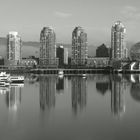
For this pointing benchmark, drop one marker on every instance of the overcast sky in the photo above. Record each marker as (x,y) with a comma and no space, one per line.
(96,16)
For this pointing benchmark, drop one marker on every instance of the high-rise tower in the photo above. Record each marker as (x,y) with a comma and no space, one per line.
(13,48)
(118,44)
(79,47)
(48,48)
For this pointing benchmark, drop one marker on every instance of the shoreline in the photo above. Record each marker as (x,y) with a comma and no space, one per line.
(70,71)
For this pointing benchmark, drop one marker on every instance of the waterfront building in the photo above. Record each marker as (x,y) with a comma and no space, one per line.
(97,62)
(79,47)
(28,62)
(35,58)
(13,49)
(48,48)
(62,55)
(118,44)
(102,51)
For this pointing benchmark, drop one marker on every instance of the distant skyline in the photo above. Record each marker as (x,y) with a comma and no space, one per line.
(28,17)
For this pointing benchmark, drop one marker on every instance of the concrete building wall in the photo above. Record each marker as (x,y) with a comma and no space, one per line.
(13,49)
(118,45)
(79,47)
(48,48)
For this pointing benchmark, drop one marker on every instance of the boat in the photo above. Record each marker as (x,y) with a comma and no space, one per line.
(119,70)
(4,84)
(84,75)
(61,73)
(4,77)
(16,79)
(17,85)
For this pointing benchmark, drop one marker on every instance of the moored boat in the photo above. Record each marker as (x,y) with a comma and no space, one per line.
(16,79)
(4,77)
(60,73)
(17,84)
(4,84)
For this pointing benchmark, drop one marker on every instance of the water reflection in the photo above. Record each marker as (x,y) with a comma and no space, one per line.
(32,78)
(13,98)
(80,108)
(47,85)
(135,78)
(135,91)
(60,85)
(79,93)
(12,95)
(117,96)
(102,87)
(4,90)
(114,84)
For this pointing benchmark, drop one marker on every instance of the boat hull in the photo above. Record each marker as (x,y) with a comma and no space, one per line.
(17,81)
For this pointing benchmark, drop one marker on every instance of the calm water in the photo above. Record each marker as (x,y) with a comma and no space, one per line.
(98,107)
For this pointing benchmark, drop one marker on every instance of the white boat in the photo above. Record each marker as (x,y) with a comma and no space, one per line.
(16,79)
(17,84)
(4,77)
(84,75)
(60,72)
(4,84)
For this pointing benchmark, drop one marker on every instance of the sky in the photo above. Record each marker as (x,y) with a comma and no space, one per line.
(28,17)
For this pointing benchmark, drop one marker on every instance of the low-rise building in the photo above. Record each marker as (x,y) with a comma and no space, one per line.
(102,51)
(28,62)
(97,62)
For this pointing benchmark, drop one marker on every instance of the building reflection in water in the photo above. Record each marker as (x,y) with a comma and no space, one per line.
(60,85)
(135,78)
(78,93)
(102,87)
(117,96)
(135,87)
(47,91)
(13,97)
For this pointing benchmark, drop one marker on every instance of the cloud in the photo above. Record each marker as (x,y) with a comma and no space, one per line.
(62,14)
(131,13)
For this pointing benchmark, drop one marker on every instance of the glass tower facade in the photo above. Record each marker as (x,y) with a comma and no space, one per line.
(48,48)
(118,44)
(79,47)
(13,48)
